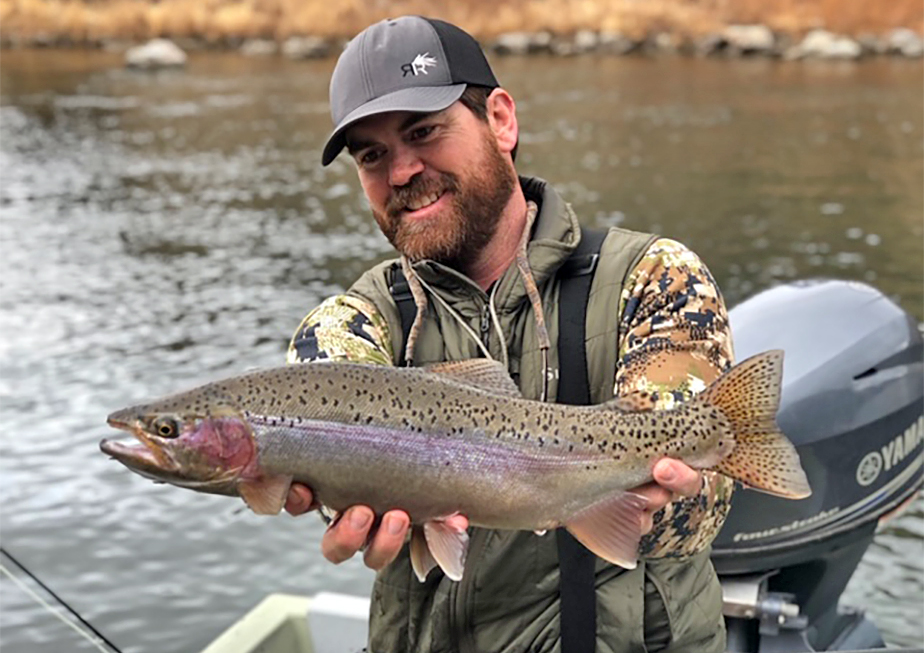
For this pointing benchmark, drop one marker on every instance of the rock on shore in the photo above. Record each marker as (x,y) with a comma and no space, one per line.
(823,44)
(157,53)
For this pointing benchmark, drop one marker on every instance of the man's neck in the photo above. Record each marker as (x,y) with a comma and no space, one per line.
(491,262)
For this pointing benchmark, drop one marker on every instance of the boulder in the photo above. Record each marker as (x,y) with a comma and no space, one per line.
(616,43)
(905,41)
(825,45)
(580,43)
(259,48)
(709,44)
(663,42)
(522,43)
(157,53)
(749,39)
(305,47)
(586,41)
(872,44)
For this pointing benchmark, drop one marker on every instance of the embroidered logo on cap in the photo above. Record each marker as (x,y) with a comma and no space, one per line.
(419,65)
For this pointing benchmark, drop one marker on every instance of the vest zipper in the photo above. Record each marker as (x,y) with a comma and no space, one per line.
(485,326)
(461,599)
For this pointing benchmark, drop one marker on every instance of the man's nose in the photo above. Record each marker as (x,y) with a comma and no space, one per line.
(404,165)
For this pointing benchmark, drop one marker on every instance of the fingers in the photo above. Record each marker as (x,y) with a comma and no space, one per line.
(388,539)
(347,535)
(677,477)
(657,497)
(671,478)
(299,500)
(457,521)
(351,532)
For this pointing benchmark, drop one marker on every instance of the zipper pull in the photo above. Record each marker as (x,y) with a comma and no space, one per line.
(485,324)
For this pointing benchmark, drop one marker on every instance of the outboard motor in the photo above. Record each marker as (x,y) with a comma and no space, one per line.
(852,403)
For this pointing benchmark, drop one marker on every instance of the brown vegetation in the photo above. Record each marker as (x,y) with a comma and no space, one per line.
(221,21)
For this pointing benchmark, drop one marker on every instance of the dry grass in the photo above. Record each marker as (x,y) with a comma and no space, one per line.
(87,21)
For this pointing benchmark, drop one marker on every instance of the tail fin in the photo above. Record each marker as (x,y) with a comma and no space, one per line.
(748,395)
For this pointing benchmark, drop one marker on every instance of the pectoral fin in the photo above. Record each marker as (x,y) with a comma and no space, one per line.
(448,544)
(265,496)
(421,559)
(611,528)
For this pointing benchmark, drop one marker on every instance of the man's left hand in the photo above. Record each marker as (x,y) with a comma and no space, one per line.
(672,479)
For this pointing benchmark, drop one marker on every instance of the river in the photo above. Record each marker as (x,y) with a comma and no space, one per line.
(164,229)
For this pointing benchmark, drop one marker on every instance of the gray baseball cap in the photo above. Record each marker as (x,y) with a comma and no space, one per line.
(410,63)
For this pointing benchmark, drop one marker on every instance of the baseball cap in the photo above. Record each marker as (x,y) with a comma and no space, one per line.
(409,63)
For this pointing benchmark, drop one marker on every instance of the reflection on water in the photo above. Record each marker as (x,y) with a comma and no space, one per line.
(165,229)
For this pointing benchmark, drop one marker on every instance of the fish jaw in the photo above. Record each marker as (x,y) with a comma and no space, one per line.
(147,457)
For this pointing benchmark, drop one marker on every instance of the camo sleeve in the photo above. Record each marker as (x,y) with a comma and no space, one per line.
(342,328)
(676,341)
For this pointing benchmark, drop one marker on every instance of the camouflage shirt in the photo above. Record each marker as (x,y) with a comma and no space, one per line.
(675,341)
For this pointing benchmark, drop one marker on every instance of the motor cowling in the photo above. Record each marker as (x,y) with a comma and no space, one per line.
(852,403)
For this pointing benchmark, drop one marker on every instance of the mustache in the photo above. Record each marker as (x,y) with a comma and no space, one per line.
(417,188)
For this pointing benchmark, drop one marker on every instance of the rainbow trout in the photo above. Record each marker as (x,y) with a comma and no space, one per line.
(456,438)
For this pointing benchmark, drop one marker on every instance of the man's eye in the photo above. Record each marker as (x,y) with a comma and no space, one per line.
(370,157)
(422,132)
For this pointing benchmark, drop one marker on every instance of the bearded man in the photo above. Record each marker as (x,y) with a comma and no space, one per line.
(484,255)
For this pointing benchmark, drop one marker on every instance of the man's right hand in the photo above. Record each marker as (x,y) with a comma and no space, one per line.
(351,530)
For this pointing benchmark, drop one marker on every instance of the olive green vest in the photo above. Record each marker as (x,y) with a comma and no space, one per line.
(508,598)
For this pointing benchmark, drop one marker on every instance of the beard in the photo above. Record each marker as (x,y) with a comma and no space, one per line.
(464,227)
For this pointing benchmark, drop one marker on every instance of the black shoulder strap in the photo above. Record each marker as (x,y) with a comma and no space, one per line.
(407,309)
(576,563)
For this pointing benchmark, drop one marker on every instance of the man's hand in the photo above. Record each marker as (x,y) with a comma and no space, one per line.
(671,478)
(351,530)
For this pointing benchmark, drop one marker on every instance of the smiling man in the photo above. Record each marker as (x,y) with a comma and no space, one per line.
(488,267)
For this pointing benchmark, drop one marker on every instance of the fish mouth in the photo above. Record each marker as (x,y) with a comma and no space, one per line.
(147,456)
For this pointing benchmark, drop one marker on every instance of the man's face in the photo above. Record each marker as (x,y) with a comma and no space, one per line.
(437,183)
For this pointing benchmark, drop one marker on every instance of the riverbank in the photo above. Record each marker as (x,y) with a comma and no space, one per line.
(508,26)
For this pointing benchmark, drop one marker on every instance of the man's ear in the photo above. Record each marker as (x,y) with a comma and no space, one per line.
(502,117)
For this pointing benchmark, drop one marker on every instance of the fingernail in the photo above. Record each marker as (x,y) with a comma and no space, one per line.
(359,519)
(394,525)
(669,474)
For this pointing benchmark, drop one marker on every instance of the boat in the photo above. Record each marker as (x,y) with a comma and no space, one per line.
(852,403)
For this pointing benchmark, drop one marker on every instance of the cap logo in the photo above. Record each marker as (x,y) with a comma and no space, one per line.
(419,65)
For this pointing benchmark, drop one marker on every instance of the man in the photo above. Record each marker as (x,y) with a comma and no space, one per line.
(434,137)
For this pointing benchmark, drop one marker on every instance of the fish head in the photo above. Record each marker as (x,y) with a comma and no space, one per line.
(206,450)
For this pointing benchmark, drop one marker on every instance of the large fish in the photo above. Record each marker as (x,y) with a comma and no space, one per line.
(456,438)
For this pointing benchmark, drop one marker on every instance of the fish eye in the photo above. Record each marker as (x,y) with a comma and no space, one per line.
(166,427)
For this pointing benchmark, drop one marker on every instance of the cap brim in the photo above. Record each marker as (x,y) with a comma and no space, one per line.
(420,99)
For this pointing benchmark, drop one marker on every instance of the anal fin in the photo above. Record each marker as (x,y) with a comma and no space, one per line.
(448,544)
(265,496)
(422,560)
(611,529)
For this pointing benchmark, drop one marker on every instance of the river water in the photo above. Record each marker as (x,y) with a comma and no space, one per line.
(161,230)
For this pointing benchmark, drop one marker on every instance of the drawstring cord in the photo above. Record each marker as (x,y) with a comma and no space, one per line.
(500,333)
(420,301)
(529,282)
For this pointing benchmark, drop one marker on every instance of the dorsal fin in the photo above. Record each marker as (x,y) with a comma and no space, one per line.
(480,373)
(630,403)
